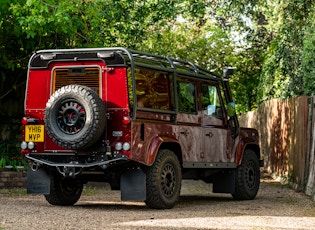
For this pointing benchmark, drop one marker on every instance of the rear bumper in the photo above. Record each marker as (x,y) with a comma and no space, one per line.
(75,164)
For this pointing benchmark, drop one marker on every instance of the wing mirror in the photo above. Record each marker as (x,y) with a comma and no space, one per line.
(227,72)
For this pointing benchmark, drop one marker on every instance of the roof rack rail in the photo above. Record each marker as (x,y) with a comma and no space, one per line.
(171,64)
(121,56)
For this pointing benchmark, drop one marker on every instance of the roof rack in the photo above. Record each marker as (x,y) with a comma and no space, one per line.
(166,63)
(121,56)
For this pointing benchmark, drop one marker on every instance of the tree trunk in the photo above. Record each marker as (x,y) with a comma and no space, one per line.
(310,187)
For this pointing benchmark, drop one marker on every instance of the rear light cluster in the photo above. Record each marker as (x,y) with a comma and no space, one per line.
(126,120)
(122,146)
(26,120)
(126,145)
(28,145)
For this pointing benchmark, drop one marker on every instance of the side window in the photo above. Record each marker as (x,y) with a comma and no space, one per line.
(186,97)
(154,89)
(211,101)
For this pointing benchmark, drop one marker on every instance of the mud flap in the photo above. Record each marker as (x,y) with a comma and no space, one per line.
(38,182)
(224,182)
(133,185)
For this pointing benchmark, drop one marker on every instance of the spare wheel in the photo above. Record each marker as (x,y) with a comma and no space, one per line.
(75,117)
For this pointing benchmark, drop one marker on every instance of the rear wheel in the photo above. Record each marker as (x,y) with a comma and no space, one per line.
(64,191)
(247,177)
(163,181)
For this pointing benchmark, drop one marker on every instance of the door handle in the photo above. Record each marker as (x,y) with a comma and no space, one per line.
(210,134)
(184,132)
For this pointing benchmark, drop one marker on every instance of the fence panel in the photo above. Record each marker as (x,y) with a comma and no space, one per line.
(284,127)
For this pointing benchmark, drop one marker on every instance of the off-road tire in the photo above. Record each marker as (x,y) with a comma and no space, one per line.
(247,179)
(75,117)
(163,181)
(64,191)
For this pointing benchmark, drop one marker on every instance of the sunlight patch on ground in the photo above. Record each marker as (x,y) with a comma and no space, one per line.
(236,222)
(112,203)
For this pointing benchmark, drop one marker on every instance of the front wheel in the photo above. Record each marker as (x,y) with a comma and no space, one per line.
(64,191)
(163,181)
(247,177)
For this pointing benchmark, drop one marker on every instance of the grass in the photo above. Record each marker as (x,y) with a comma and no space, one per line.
(94,189)
(90,191)
(13,192)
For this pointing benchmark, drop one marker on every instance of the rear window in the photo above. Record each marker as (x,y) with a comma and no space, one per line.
(88,76)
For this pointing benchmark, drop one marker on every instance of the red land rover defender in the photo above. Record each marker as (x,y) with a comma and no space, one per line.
(140,122)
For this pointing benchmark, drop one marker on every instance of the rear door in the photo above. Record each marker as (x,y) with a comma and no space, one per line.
(188,119)
(87,73)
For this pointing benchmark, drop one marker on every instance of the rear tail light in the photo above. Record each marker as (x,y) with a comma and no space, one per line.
(126,120)
(23,145)
(126,146)
(24,121)
(118,146)
(122,146)
(30,145)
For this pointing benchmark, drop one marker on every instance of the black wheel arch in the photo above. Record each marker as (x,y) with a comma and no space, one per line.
(251,146)
(175,147)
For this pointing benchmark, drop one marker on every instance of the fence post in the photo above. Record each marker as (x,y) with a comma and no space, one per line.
(310,158)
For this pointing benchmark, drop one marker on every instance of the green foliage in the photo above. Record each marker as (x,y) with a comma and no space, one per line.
(204,37)
(206,45)
(10,155)
(308,58)
(30,25)
(78,23)
(284,67)
(269,43)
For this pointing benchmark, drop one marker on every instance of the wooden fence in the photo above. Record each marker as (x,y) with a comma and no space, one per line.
(287,139)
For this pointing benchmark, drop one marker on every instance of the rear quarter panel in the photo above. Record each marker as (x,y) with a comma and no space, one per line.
(248,138)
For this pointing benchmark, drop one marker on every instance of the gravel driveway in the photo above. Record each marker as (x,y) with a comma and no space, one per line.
(276,207)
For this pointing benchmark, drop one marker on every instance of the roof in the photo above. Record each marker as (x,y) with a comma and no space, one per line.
(119,56)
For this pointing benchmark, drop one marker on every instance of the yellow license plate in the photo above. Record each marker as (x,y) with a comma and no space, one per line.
(34,133)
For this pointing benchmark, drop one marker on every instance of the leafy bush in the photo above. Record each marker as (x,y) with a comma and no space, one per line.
(10,154)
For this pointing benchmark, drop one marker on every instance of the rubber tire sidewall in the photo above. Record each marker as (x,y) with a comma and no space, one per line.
(95,117)
(155,198)
(242,190)
(64,191)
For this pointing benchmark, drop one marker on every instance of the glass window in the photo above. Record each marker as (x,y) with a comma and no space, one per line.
(154,89)
(186,97)
(211,101)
